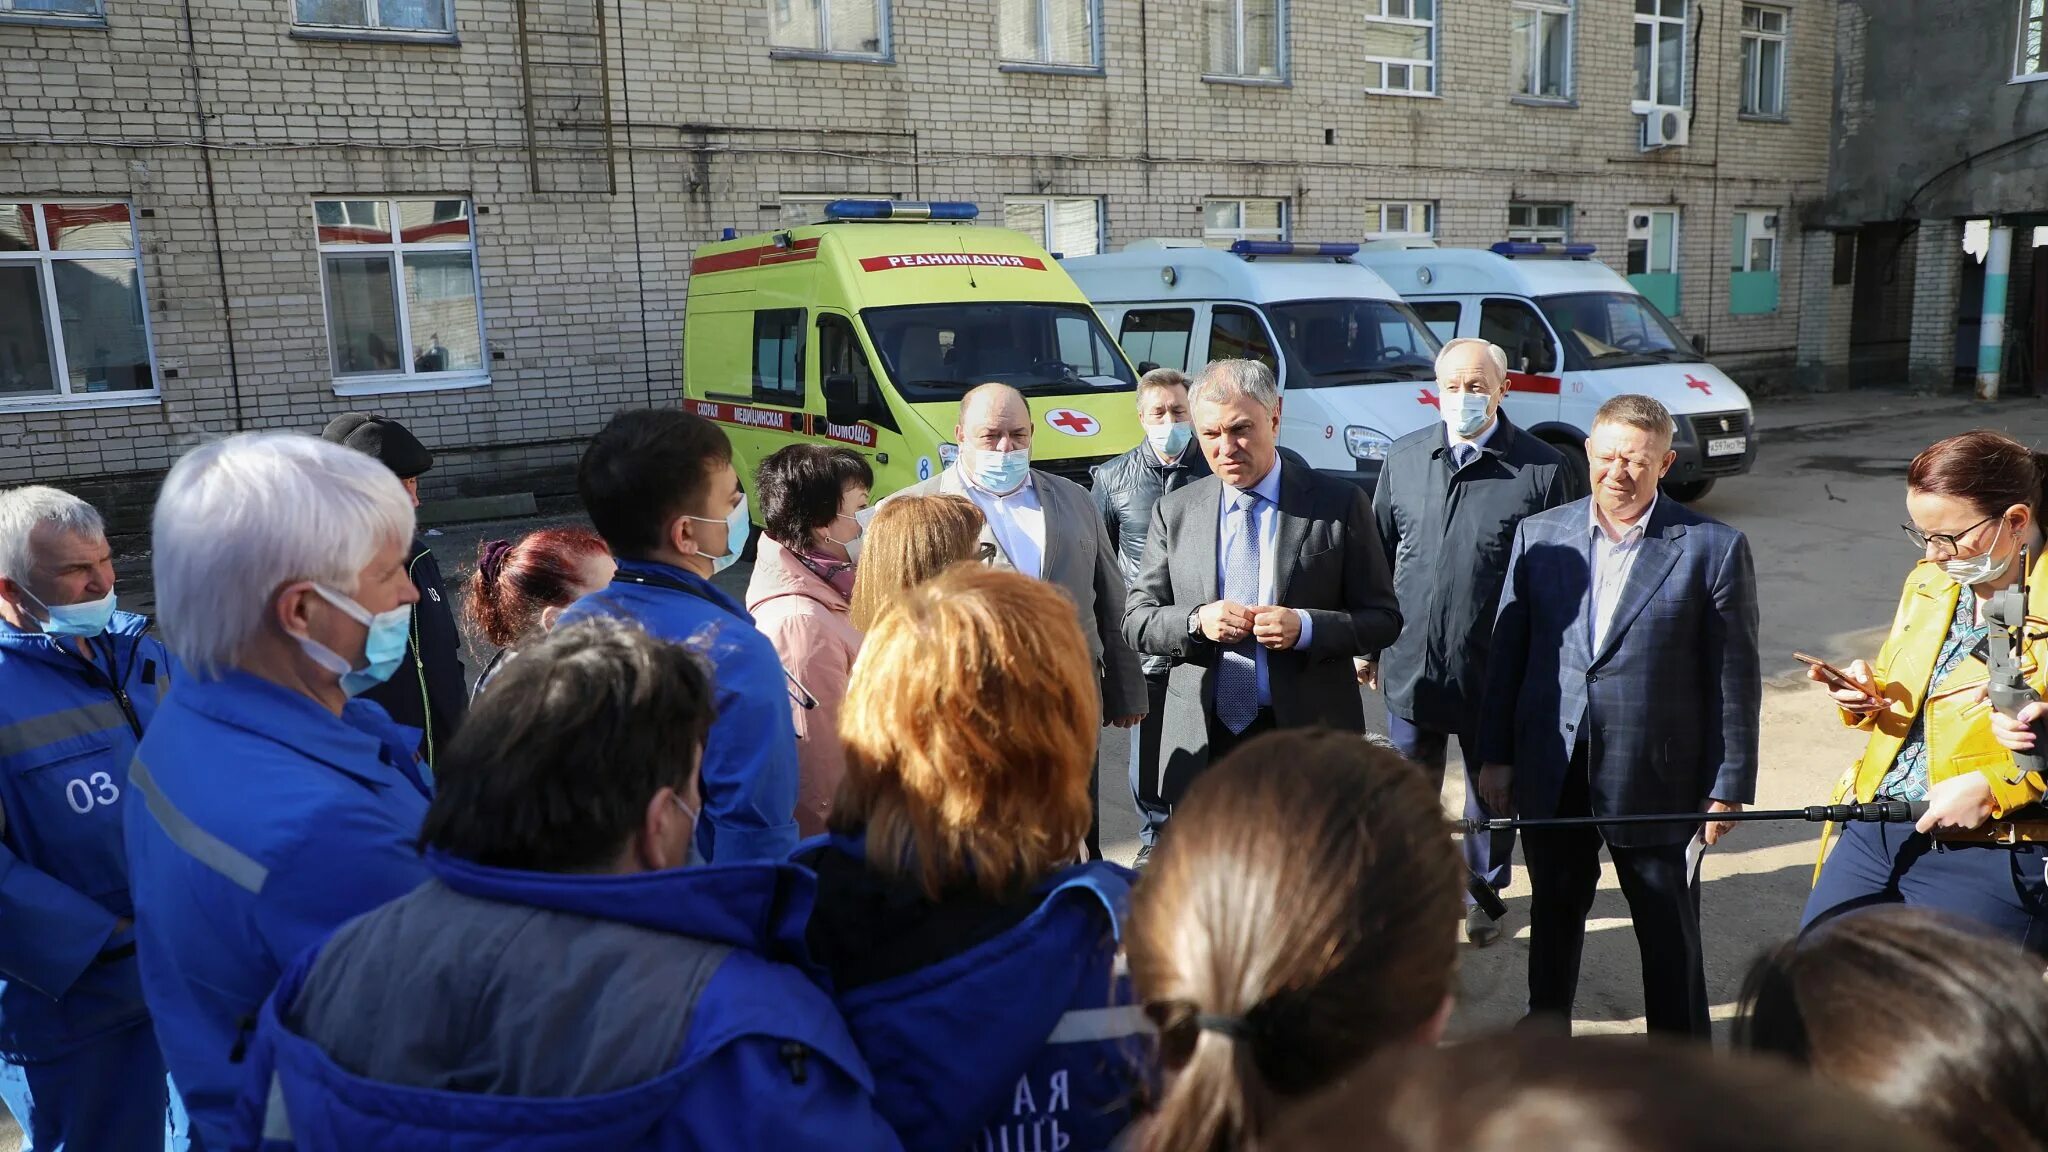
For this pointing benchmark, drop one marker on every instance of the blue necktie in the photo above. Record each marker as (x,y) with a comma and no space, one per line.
(1237,677)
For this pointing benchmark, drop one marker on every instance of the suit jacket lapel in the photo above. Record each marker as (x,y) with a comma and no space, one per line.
(1656,555)
(1295,514)
(1054,553)
(1202,535)
(950,484)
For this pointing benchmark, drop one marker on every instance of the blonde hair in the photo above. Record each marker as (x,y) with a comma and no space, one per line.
(910,540)
(970,725)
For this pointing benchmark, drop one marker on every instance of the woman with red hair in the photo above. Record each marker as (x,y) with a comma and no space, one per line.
(520,587)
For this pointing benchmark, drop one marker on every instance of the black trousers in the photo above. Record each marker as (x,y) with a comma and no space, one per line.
(1222,741)
(1663,903)
(1145,763)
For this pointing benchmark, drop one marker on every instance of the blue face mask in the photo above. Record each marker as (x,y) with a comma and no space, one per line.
(1170,439)
(1000,473)
(383,649)
(737,526)
(1464,412)
(84,620)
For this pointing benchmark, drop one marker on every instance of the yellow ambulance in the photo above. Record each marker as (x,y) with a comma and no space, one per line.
(865,329)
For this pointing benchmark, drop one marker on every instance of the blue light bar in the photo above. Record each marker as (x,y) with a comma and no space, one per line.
(1525,248)
(1291,248)
(900,210)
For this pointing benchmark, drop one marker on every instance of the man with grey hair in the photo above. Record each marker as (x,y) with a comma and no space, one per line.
(79,683)
(1261,583)
(274,804)
(1449,498)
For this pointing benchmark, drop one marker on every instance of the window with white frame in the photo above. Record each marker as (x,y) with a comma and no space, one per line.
(1400,47)
(1763,60)
(1652,263)
(1054,33)
(437,16)
(1224,222)
(2028,61)
(830,27)
(1540,223)
(1400,220)
(1541,49)
(83,11)
(1756,240)
(1247,39)
(1660,54)
(1062,225)
(400,283)
(72,320)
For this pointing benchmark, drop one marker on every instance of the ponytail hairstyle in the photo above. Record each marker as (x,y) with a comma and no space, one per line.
(1989,470)
(1293,922)
(515,582)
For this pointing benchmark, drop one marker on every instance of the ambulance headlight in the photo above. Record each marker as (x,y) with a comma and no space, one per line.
(1366,443)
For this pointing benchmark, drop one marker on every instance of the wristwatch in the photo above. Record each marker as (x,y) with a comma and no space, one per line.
(1195,624)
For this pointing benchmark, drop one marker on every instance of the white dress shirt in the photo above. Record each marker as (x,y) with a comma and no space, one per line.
(1612,559)
(1265,517)
(1017,521)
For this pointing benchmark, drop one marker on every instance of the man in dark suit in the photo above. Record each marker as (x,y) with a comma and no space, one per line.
(1261,583)
(1623,680)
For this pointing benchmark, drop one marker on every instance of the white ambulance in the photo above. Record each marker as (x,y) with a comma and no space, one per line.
(1350,356)
(1576,334)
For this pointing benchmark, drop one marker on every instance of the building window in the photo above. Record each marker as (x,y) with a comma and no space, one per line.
(2028,62)
(1053,33)
(1062,226)
(1541,57)
(82,11)
(829,27)
(1400,220)
(1753,274)
(1763,61)
(437,16)
(1660,54)
(400,282)
(1653,256)
(1400,47)
(72,322)
(1225,222)
(1247,39)
(1540,223)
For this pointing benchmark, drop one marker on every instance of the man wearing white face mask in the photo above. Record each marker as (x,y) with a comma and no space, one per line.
(79,682)
(1127,489)
(1447,504)
(661,489)
(271,803)
(1046,527)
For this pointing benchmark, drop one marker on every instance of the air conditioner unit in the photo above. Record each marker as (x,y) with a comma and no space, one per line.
(1664,128)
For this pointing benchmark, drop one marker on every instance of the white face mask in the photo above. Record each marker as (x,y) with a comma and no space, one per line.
(1464,413)
(737,526)
(1981,569)
(853,546)
(1168,440)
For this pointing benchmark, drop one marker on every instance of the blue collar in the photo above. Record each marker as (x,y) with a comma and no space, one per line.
(668,578)
(362,735)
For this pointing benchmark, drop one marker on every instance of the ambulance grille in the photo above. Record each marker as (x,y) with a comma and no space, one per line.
(1074,468)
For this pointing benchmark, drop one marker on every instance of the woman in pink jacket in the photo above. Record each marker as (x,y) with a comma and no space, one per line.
(814,506)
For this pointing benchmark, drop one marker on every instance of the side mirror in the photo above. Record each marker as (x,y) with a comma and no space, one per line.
(1145,366)
(1699,343)
(842,400)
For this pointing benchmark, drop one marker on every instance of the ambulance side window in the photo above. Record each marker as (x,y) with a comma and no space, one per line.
(1161,336)
(779,356)
(1439,316)
(840,353)
(1238,334)
(1520,332)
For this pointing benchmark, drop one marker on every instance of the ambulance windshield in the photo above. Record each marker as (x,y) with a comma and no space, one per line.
(1614,330)
(1357,341)
(939,351)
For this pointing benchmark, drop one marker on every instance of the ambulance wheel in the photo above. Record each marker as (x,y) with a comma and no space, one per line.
(1689,491)
(1574,453)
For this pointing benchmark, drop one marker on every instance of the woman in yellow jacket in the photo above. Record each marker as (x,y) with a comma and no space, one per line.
(1975,502)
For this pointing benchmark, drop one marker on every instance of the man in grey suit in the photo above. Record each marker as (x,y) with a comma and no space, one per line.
(1261,582)
(1047,528)
(1623,680)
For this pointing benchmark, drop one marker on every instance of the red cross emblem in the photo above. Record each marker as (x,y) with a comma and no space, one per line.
(1692,381)
(1073,423)
(1425,396)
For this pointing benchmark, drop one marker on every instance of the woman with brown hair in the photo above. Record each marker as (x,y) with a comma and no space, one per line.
(1975,501)
(911,539)
(972,957)
(1298,918)
(1924,1014)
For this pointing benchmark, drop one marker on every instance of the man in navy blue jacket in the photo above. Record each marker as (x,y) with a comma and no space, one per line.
(562,980)
(661,489)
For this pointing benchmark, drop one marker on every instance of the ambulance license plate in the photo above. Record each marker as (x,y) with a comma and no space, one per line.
(1728,446)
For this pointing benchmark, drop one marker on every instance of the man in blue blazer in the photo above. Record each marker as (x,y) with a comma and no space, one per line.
(1623,680)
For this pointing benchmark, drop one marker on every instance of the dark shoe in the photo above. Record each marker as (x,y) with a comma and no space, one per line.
(1481,929)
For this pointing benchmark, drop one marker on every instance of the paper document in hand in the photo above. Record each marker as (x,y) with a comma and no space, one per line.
(1693,851)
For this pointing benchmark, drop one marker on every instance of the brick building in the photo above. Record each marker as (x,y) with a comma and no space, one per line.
(479,216)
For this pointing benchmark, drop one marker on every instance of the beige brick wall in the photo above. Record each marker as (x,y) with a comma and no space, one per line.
(710,130)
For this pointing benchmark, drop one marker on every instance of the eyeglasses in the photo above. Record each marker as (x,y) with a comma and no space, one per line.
(1949,543)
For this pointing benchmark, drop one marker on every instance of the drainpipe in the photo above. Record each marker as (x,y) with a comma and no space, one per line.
(1991,332)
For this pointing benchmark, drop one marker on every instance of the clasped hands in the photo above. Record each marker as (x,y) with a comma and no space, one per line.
(1228,622)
